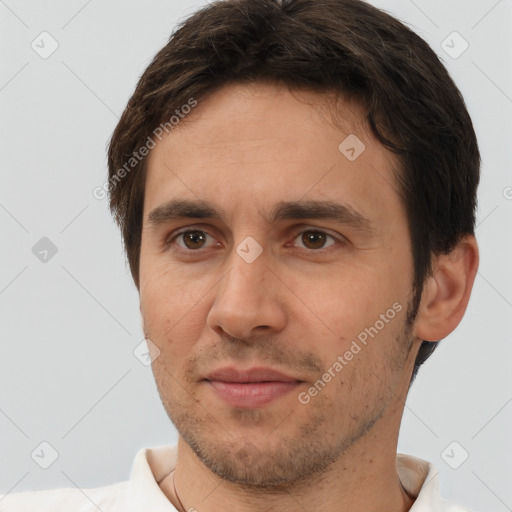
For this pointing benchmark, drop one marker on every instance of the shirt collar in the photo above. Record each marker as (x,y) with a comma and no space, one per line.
(421,480)
(152,465)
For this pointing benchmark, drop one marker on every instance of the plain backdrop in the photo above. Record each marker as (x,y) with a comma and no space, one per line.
(69,313)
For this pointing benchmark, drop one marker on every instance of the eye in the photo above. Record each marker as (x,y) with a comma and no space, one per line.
(193,239)
(314,239)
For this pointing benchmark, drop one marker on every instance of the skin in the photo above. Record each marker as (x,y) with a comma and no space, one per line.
(297,307)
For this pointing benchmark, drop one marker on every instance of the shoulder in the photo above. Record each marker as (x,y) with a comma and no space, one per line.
(108,499)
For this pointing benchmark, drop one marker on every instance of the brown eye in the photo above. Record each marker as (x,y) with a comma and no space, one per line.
(314,239)
(192,239)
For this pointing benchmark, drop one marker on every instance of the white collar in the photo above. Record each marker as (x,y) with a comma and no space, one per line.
(152,465)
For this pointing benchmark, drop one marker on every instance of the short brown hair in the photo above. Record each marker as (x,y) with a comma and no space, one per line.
(344,46)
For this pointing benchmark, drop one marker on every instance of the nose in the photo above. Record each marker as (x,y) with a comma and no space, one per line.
(248,299)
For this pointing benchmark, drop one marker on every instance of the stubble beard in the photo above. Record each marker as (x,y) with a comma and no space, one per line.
(276,461)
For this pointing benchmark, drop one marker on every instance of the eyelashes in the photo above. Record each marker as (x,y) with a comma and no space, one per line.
(201,236)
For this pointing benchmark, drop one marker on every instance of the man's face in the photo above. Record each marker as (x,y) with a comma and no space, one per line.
(320,290)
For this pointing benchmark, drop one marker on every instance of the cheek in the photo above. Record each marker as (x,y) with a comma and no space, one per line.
(336,303)
(172,307)
(356,315)
(163,287)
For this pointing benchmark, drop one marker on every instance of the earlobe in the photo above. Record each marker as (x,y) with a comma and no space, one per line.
(446,292)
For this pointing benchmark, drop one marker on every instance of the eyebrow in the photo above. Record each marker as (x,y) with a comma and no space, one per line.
(284,210)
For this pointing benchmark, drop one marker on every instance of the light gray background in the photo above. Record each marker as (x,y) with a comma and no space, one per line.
(68,327)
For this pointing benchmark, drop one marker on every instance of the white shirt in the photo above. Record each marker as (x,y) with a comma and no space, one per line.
(151,465)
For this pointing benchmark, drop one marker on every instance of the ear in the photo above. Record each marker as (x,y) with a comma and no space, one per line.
(446,293)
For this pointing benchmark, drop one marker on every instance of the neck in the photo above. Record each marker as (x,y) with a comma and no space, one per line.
(360,480)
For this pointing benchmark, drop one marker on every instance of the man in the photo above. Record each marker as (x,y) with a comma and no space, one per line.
(295,183)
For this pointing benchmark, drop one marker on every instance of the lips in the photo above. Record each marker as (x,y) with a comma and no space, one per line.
(250,388)
(259,374)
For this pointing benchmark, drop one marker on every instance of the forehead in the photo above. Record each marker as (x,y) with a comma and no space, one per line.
(263,144)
